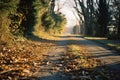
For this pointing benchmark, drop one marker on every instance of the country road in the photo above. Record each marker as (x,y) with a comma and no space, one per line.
(53,67)
(108,56)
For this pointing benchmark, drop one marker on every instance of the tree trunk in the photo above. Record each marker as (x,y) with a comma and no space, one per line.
(119,25)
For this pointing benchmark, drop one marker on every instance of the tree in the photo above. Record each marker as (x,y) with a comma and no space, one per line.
(86,9)
(117,4)
(52,6)
(103,17)
(7,7)
(27,9)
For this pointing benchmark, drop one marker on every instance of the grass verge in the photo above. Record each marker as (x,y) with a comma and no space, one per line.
(114,44)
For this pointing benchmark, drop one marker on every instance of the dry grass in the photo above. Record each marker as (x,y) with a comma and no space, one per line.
(47,36)
(82,57)
(81,66)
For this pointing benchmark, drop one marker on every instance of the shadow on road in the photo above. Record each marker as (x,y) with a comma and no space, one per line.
(65,40)
(96,50)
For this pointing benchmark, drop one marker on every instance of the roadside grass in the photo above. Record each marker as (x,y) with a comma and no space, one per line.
(114,44)
(47,36)
(81,66)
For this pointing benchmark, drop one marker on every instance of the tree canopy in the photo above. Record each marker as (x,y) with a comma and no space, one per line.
(23,17)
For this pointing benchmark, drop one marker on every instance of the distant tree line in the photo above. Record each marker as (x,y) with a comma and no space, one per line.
(99,17)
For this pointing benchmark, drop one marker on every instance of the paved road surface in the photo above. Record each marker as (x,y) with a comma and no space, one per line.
(53,69)
(105,54)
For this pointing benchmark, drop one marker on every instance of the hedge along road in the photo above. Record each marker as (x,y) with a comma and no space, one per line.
(53,67)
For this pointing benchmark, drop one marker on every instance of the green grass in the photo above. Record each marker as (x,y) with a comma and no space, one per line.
(114,44)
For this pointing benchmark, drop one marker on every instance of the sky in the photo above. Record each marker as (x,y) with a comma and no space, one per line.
(69,12)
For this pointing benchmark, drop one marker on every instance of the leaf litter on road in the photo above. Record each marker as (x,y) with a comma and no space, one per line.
(20,60)
(81,66)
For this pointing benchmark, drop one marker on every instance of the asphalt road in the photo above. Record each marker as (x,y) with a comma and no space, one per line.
(108,56)
(52,68)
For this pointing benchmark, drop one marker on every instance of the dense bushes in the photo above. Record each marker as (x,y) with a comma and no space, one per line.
(23,17)
(53,23)
(7,7)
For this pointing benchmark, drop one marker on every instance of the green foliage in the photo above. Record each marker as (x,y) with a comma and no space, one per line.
(27,10)
(23,17)
(8,6)
(15,26)
(53,23)
(47,21)
(60,23)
